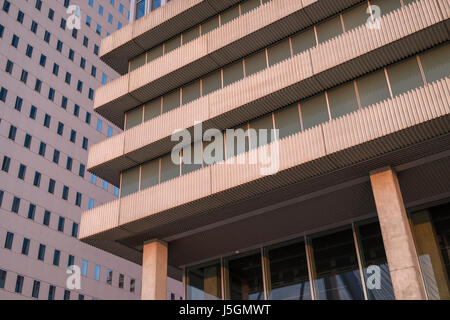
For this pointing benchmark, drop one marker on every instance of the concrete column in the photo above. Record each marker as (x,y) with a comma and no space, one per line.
(154,271)
(397,236)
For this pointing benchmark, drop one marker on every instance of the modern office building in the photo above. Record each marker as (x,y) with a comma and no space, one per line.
(48,77)
(348,197)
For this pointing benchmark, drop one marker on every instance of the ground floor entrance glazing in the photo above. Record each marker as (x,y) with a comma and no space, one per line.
(347,263)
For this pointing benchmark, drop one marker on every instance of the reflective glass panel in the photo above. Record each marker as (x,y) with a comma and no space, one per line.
(337,275)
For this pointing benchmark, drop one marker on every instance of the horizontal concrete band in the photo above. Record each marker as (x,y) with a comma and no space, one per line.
(244,35)
(299,77)
(156,27)
(395,124)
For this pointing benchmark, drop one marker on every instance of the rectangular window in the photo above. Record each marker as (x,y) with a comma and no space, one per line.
(25,246)
(75,230)
(121,281)
(51,186)
(65,193)
(41,252)
(46,221)
(19,284)
(97,272)
(56,257)
(84,268)
(3,274)
(61,222)
(31,211)
(109,276)
(6,163)
(15,205)
(51,292)
(22,171)
(9,240)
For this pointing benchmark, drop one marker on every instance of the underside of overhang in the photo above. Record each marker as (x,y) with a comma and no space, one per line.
(329,197)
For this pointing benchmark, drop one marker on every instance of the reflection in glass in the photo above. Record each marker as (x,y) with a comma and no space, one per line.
(431,229)
(204,282)
(289,279)
(245,277)
(373,254)
(337,275)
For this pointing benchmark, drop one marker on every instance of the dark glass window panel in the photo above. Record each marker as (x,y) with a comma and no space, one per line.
(246,278)
(204,282)
(337,274)
(373,254)
(289,279)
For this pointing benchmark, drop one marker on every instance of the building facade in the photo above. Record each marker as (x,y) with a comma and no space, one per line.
(49,71)
(320,133)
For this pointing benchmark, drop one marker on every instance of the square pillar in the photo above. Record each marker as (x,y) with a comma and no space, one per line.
(397,236)
(154,271)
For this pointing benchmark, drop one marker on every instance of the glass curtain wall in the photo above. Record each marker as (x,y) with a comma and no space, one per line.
(431,229)
(343,264)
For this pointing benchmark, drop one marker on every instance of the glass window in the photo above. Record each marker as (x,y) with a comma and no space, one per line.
(192,160)
(245,277)
(191,34)
(329,29)
(171,101)
(172,44)
(211,83)
(155,53)
(150,174)
(169,170)
(431,229)
(355,17)
(314,111)
(264,131)
(137,62)
(405,76)
(130,181)
(255,63)
(436,64)
(97,272)
(373,88)
(233,73)
(289,277)
(210,25)
(238,142)
(373,256)
(229,15)
(249,5)
(152,109)
(204,282)
(191,92)
(342,100)
(336,275)
(279,52)
(84,267)
(386,6)
(287,121)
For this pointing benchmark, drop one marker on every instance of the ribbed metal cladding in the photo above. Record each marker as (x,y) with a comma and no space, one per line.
(257,29)
(387,126)
(303,75)
(156,27)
